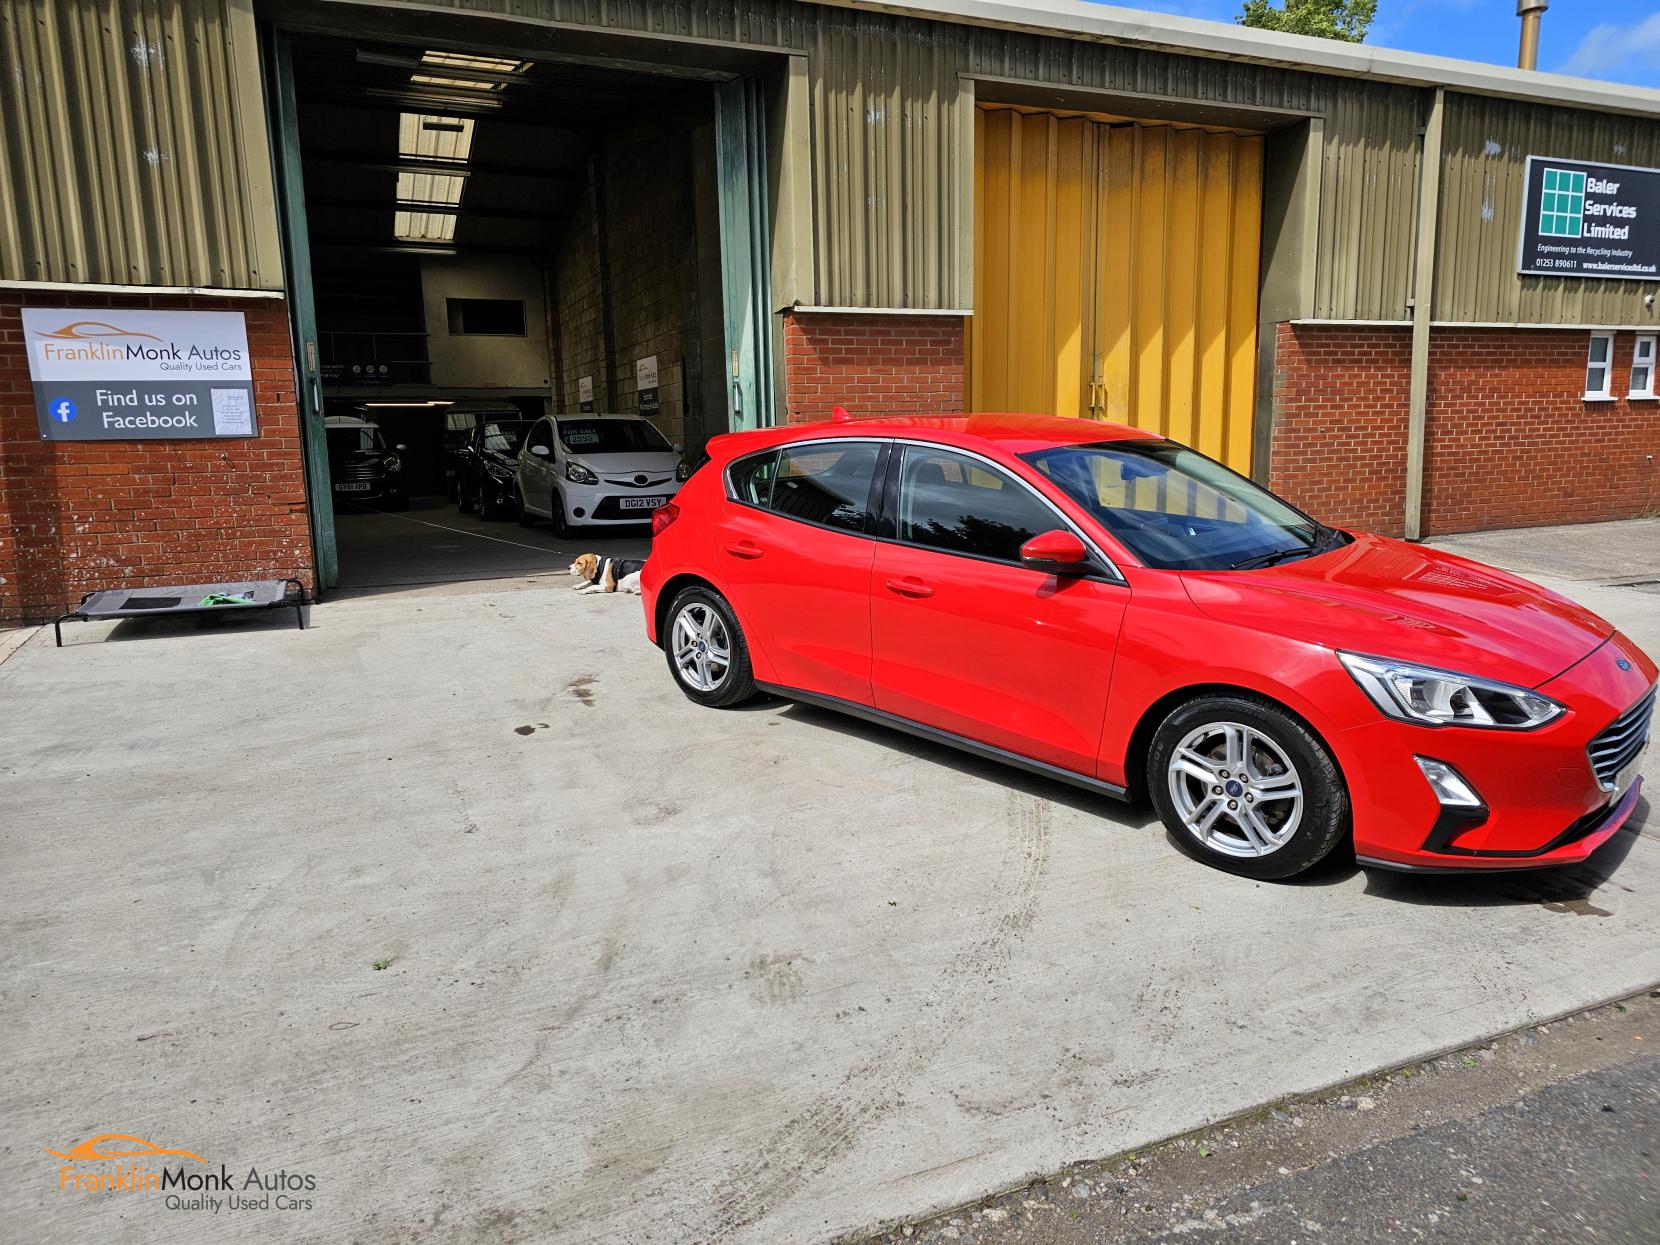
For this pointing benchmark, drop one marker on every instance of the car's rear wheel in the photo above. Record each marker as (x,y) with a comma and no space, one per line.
(1244,786)
(706,650)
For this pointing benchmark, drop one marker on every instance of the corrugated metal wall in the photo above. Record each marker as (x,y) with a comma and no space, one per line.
(1486,146)
(1368,202)
(132,145)
(891,122)
(133,149)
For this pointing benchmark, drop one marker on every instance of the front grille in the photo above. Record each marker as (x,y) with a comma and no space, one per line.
(348,472)
(638,481)
(1619,744)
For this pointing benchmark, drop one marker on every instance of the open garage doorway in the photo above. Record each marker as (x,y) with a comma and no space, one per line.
(481,242)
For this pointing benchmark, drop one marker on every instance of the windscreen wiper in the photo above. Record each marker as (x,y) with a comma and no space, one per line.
(1332,538)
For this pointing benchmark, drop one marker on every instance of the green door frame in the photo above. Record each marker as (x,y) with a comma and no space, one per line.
(302,310)
(746,249)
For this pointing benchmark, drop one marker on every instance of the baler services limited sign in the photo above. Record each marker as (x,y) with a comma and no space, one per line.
(1590,220)
(103,374)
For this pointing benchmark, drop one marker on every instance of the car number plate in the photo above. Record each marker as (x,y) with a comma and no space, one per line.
(640,503)
(351,488)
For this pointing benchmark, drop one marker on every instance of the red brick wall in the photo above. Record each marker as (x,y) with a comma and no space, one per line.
(79,515)
(1340,408)
(872,364)
(1511,441)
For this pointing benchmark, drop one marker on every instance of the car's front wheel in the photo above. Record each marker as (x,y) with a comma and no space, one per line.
(526,519)
(706,650)
(1243,785)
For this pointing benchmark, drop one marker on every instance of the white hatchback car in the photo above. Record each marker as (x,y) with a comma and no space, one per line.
(580,470)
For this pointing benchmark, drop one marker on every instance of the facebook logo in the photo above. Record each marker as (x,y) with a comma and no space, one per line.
(62,410)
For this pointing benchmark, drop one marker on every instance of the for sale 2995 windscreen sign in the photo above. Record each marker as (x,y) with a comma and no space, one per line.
(104,374)
(1590,220)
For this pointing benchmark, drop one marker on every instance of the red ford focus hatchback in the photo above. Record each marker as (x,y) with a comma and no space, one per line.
(1115,610)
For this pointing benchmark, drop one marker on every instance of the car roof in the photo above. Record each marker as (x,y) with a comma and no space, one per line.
(1012,432)
(347,421)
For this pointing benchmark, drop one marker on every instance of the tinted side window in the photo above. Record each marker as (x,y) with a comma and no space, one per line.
(828,484)
(752,479)
(540,435)
(950,502)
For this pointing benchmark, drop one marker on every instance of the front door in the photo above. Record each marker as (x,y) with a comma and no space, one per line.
(794,553)
(536,470)
(966,639)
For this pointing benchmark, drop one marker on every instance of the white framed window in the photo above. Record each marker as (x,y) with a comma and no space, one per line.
(1642,367)
(1599,368)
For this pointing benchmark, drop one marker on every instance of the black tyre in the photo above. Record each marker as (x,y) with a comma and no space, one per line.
(489,506)
(526,519)
(556,508)
(705,647)
(462,501)
(1243,786)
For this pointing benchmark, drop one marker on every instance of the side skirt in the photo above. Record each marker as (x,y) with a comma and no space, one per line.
(960,742)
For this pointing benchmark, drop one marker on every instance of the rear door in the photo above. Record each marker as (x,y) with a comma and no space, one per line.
(794,548)
(966,639)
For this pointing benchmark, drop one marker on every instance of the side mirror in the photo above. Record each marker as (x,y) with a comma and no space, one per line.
(679,448)
(1055,553)
(402,449)
(541,451)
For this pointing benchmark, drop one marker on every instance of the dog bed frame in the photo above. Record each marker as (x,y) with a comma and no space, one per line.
(224,598)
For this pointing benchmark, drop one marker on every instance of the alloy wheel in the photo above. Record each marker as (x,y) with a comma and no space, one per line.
(1235,790)
(702,648)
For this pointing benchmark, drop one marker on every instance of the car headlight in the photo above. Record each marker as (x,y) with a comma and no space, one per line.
(1434,697)
(682,471)
(394,463)
(576,473)
(499,471)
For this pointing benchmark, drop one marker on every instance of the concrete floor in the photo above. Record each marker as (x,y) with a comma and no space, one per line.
(433,542)
(653,973)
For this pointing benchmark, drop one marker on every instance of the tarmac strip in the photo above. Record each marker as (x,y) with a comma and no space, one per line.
(1549,1132)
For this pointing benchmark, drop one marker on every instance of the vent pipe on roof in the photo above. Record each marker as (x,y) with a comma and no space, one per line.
(1530,11)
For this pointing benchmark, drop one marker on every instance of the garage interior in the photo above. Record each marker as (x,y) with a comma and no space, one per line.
(484,227)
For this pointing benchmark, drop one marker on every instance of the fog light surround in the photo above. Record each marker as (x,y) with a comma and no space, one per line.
(1451,788)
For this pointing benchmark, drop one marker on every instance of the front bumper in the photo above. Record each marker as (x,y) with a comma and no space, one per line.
(596,505)
(1544,803)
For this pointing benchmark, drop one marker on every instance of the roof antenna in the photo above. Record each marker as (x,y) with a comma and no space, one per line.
(839,415)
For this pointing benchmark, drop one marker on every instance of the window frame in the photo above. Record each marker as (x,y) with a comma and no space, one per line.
(881,521)
(872,500)
(455,316)
(1606,393)
(1102,568)
(542,425)
(1649,393)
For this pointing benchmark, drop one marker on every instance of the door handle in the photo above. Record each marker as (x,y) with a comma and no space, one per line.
(910,587)
(745,549)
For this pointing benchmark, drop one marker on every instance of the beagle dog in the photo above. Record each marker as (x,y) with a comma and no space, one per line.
(602,574)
